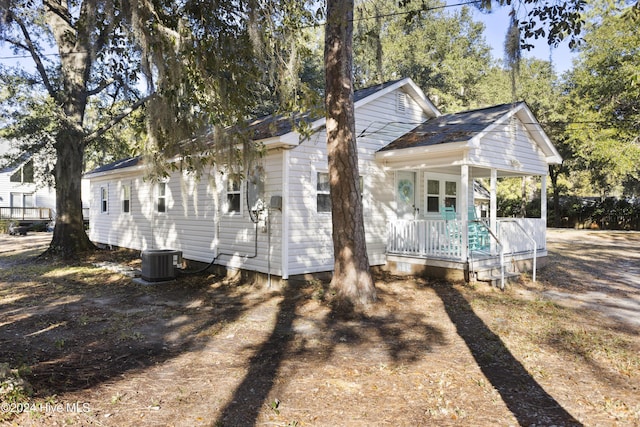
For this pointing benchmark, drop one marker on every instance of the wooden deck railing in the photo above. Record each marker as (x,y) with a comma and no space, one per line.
(25,213)
(425,238)
(442,238)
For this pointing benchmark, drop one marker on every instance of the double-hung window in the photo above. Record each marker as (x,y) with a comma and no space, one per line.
(323,196)
(440,193)
(450,194)
(104,199)
(161,203)
(126,198)
(433,196)
(234,187)
(323,193)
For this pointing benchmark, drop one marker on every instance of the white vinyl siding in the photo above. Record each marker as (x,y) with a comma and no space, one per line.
(194,221)
(310,242)
(509,146)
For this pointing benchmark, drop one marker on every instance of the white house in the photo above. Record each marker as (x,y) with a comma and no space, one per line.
(20,197)
(413,163)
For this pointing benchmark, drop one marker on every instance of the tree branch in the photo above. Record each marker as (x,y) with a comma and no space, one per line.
(116,119)
(33,51)
(102,86)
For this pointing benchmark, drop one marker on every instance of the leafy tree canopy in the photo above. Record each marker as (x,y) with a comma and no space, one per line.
(605,98)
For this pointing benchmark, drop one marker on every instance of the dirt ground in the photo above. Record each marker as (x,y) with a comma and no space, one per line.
(96,349)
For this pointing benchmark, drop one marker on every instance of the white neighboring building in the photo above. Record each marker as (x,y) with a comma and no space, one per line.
(21,198)
(413,161)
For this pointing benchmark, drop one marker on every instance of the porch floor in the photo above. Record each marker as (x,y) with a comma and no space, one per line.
(479,262)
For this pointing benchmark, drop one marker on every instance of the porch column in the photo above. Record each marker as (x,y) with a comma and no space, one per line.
(543,199)
(464,209)
(493,207)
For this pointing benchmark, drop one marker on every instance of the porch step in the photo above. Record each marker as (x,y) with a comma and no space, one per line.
(491,273)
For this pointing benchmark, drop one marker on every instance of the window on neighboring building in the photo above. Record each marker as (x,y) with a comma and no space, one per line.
(29,200)
(234,187)
(24,174)
(126,198)
(162,197)
(22,200)
(104,199)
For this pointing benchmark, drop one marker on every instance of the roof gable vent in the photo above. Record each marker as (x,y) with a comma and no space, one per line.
(401,102)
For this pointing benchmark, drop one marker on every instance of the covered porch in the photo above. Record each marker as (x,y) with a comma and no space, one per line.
(444,218)
(480,244)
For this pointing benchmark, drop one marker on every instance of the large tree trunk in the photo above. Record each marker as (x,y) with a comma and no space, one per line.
(69,236)
(352,277)
(74,45)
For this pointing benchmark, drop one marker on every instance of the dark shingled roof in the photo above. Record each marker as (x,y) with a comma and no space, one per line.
(272,126)
(456,127)
(265,127)
(16,163)
(120,164)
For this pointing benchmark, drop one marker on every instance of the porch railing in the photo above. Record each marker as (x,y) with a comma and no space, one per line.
(516,233)
(425,238)
(25,213)
(440,238)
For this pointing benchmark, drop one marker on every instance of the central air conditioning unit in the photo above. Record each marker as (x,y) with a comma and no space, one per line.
(159,265)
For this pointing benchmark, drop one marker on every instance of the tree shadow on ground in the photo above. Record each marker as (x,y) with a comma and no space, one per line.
(77,328)
(251,394)
(404,337)
(525,398)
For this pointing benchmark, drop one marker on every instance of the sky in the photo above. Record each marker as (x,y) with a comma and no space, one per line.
(496,24)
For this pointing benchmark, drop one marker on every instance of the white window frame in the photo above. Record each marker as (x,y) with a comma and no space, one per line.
(432,195)
(442,195)
(25,197)
(104,199)
(161,196)
(234,192)
(323,192)
(328,191)
(126,188)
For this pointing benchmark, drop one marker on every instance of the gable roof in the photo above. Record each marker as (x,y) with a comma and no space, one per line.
(280,125)
(280,128)
(119,164)
(457,127)
(468,127)
(16,163)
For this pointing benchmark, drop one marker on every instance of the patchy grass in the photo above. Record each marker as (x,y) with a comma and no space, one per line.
(205,351)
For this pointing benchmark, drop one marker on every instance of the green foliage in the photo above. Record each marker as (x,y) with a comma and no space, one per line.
(444,53)
(609,213)
(13,388)
(605,100)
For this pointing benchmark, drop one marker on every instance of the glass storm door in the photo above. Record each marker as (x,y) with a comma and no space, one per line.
(406,194)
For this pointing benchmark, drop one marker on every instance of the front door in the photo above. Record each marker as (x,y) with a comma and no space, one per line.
(406,194)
